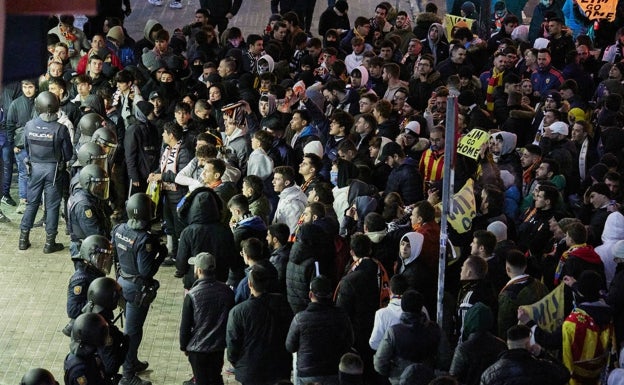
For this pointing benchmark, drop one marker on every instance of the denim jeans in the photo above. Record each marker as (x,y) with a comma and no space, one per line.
(22,176)
(8,160)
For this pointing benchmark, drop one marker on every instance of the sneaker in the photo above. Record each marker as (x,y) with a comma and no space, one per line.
(175,5)
(157,3)
(39,223)
(136,380)
(7,200)
(21,208)
(4,218)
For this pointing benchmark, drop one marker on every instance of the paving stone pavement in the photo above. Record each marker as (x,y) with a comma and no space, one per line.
(33,285)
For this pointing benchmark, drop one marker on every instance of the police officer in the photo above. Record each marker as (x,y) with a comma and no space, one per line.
(88,210)
(83,365)
(94,261)
(140,254)
(38,376)
(104,294)
(49,148)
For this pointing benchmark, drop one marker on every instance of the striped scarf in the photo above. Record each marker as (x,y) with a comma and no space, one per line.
(496,80)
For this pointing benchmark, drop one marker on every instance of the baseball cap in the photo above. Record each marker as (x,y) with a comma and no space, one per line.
(153,95)
(204,261)
(559,128)
(413,127)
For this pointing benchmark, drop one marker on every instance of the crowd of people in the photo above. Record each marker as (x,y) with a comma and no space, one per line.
(297,181)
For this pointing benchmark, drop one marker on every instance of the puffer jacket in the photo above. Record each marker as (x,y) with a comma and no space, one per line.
(406,180)
(301,269)
(204,316)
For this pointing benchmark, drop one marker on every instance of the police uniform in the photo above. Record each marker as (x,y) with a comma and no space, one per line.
(140,254)
(49,147)
(78,286)
(87,215)
(84,370)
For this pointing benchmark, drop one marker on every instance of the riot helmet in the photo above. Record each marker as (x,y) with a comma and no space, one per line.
(104,293)
(90,331)
(89,123)
(38,376)
(92,153)
(97,251)
(106,138)
(95,180)
(47,105)
(139,207)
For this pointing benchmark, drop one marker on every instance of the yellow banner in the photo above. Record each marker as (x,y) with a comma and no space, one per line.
(451,20)
(470,145)
(463,208)
(599,9)
(548,312)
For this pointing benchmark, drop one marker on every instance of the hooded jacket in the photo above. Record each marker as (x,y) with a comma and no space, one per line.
(419,276)
(406,180)
(147,42)
(438,48)
(204,233)
(141,148)
(613,232)
(508,158)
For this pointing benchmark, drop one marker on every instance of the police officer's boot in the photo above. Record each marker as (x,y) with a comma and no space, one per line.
(51,246)
(24,240)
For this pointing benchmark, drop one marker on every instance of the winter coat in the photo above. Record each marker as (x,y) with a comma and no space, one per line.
(523,290)
(519,367)
(479,349)
(204,316)
(320,335)
(204,233)
(301,265)
(413,340)
(256,332)
(407,181)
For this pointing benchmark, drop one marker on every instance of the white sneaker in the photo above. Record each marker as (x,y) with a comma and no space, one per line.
(175,5)
(157,3)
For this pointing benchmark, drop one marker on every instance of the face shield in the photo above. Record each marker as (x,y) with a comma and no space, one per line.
(99,187)
(102,259)
(100,160)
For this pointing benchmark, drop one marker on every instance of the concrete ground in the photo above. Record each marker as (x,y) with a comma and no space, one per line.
(33,285)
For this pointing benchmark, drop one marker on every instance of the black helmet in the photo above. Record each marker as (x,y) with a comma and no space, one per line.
(47,103)
(97,251)
(90,331)
(139,207)
(106,138)
(38,376)
(95,180)
(89,123)
(104,294)
(91,153)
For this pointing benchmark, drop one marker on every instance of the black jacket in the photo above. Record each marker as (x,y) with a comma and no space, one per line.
(407,181)
(301,269)
(320,335)
(204,233)
(519,367)
(204,316)
(256,332)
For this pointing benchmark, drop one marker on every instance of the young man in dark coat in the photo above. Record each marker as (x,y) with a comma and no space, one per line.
(320,335)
